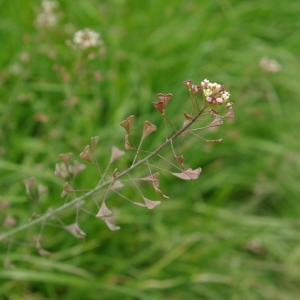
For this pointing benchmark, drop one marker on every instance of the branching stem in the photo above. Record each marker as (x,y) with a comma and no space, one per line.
(70,204)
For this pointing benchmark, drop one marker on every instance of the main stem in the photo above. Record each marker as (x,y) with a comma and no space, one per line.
(99,187)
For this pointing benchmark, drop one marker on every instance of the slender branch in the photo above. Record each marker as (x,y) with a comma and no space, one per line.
(99,187)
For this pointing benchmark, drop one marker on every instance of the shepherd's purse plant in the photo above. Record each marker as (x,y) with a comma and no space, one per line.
(210,101)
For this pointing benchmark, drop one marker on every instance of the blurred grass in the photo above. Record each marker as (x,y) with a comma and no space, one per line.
(232,234)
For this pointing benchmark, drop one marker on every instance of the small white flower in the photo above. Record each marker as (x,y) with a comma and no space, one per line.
(229,105)
(49,6)
(225,95)
(46,20)
(208,99)
(217,86)
(269,65)
(15,69)
(219,100)
(86,38)
(24,57)
(205,83)
(207,92)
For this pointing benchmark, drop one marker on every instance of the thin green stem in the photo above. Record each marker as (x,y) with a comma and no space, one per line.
(137,152)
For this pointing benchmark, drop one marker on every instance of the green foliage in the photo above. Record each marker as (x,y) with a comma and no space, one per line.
(233,233)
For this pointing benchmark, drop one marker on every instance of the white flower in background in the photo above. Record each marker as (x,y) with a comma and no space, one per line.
(48,17)
(49,6)
(46,20)
(86,38)
(269,65)
(15,69)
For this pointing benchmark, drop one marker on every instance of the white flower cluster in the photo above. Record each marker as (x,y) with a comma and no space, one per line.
(214,93)
(48,17)
(86,38)
(269,65)
(49,6)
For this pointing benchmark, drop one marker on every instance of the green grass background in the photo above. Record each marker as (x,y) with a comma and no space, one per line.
(232,234)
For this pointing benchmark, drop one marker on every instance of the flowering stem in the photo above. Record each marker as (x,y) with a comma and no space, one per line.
(101,186)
